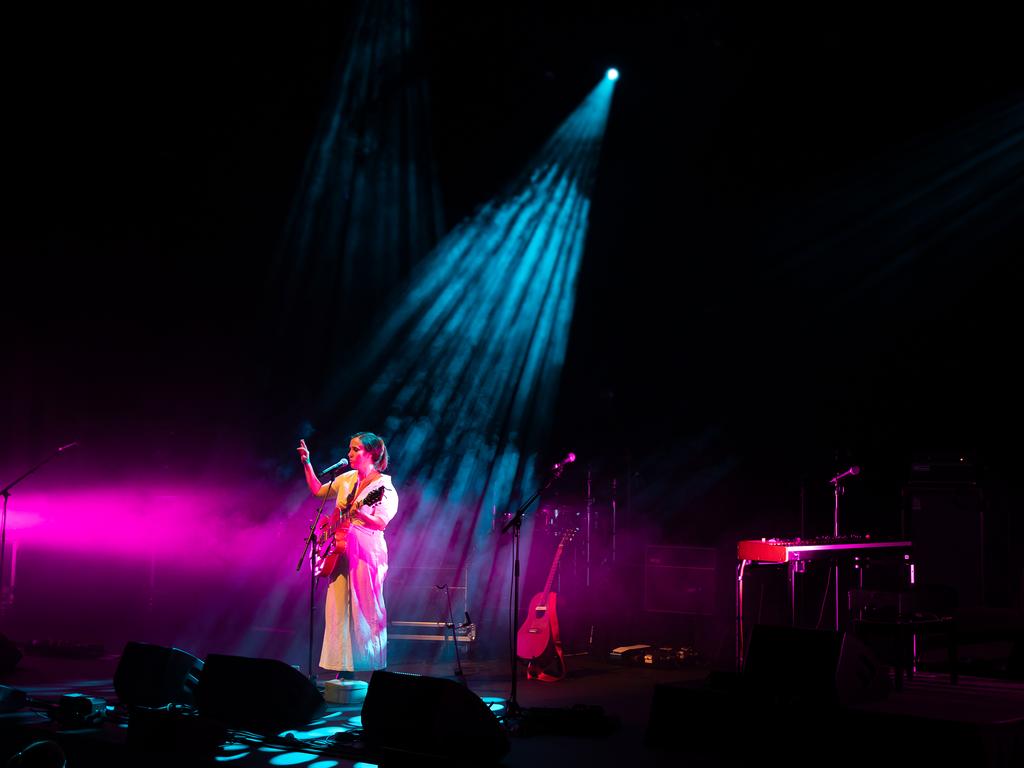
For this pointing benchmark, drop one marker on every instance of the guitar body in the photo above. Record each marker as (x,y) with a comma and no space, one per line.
(534,636)
(538,641)
(332,540)
(333,536)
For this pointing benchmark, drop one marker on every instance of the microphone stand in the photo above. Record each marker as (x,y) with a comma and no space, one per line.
(512,708)
(311,546)
(6,493)
(838,490)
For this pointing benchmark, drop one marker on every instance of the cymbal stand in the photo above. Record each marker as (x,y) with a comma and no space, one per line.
(615,522)
(586,542)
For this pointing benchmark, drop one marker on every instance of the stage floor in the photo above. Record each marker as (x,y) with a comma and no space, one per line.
(622,693)
(979,720)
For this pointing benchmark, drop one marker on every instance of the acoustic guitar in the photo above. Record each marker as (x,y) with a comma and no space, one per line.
(537,641)
(333,546)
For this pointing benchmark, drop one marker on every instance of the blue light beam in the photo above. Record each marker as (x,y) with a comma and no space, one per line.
(466,365)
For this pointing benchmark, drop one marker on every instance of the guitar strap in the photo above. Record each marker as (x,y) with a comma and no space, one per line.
(351,497)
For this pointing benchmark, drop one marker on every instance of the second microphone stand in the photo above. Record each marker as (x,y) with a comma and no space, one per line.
(838,490)
(6,493)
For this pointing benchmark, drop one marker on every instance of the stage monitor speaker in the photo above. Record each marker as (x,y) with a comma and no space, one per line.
(11,699)
(811,666)
(429,718)
(265,696)
(155,675)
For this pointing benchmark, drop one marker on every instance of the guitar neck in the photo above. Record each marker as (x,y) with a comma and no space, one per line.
(554,566)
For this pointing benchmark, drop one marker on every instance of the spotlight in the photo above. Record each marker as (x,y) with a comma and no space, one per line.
(612,74)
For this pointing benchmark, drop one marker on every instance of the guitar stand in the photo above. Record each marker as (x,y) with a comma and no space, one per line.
(535,671)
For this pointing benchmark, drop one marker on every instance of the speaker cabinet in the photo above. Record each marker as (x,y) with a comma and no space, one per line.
(948,527)
(155,675)
(426,718)
(680,580)
(415,597)
(261,695)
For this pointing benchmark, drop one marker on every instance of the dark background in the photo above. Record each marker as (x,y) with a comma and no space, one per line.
(153,155)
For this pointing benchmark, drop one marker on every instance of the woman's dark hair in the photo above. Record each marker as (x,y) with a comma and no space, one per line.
(375,445)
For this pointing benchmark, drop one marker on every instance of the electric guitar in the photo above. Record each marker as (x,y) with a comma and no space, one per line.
(538,638)
(334,533)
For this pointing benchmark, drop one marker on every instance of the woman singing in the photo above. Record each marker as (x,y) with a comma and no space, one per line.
(356,631)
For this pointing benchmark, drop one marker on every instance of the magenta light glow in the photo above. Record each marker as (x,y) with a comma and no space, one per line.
(198,565)
(129,521)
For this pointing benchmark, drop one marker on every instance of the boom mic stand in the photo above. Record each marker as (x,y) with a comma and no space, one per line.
(6,493)
(311,546)
(512,708)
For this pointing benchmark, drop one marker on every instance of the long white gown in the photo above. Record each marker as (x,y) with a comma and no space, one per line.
(356,622)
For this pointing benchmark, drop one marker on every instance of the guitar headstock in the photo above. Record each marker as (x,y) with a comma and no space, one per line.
(373,497)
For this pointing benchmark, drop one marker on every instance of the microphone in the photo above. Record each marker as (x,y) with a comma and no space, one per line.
(66,447)
(854,470)
(569,459)
(340,465)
